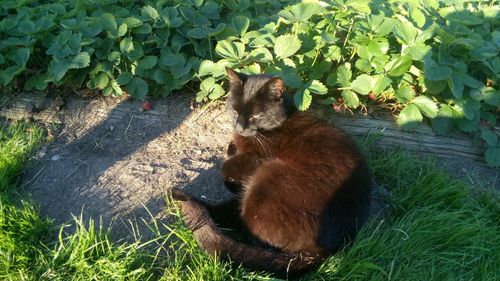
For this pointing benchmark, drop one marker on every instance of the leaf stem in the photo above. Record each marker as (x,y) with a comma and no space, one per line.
(210,48)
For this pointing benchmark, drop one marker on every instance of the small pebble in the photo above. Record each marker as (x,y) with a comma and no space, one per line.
(55,157)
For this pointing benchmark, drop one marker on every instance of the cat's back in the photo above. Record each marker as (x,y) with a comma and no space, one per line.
(307,139)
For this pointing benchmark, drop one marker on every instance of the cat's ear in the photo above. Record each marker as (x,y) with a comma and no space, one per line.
(276,86)
(235,78)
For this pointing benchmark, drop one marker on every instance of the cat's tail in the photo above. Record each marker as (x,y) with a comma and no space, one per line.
(210,239)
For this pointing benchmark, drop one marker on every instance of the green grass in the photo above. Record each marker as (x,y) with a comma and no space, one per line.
(437,229)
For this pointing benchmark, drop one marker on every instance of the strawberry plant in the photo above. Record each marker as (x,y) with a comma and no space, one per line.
(426,60)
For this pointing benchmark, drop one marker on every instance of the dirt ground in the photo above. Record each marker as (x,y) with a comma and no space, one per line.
(111,161)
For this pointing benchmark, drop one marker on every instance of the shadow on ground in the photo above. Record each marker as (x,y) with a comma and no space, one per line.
(112,161)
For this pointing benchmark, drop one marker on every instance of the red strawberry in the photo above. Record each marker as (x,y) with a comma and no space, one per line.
(147,105)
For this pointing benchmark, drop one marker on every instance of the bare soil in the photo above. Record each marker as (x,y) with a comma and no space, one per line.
(114,163)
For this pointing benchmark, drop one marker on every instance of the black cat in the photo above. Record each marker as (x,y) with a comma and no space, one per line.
(303,188)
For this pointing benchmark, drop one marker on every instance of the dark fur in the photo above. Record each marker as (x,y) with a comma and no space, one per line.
(304,188)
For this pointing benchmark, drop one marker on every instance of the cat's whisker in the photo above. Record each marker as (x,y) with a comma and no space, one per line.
(265,138)
(265,147)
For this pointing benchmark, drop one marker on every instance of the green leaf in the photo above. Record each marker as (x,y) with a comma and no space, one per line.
(265,40)
(160,76)
(150,12)
(108,21)
(26,27)
(230,50)
(137,88)
(434,71)
(464,17)
(472,82)
(171,59)
(492,96)
(364,84)
(286,46)
(144,28)
(58,68)
(456,86)
(302,99)
(8,74)
(363,65)
(435,87)
(21,56)
(469,107)
(80,61)
(198,32)
(316,87)
(240,24)
(116,88)
(211,10)
(126,45)
(69,23)
(207,84)
(218,30)
(124,78)
(170,16)
(201,95)
(405,32)
(122,30)
(261,55)
(148,62)
(132,22)
(417,16)
(114,57)
(196,3)
(362,6)
(101,80)
(377,47)
(207,67)
(56,8)
(243,5)
(463,123)
(404,94)
(291,77)
(136,51)
(489,137)
(443,122)
(44,24)
(410,117)
(399,65)
(492,155)
(418,51)
(39,82)
(476,94)
(426,106)
(350,99)
(342,75)
(108,91)
(216,92)
(301,12)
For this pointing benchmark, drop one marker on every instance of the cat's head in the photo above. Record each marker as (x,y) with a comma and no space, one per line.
(256,102)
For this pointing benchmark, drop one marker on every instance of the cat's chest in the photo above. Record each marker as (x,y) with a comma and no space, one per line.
(265,145)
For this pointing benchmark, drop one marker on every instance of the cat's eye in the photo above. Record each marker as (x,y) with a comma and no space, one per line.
(256,116)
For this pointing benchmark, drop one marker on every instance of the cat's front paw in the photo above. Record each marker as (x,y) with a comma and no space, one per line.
(239,168)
